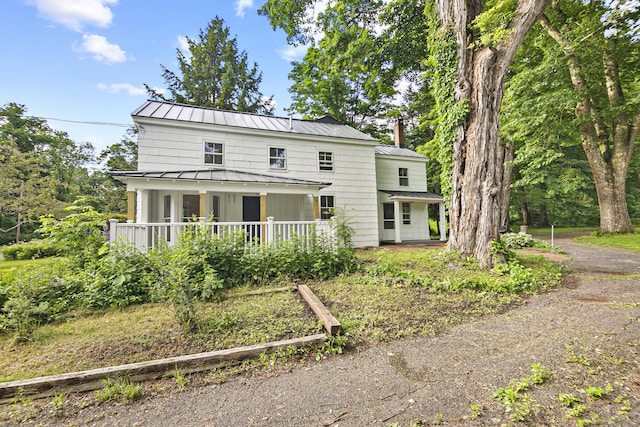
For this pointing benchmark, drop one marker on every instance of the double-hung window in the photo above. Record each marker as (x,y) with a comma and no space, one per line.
(325,161)
(403,177)
(277,158)
(406,213)
(213,153)
(327,203)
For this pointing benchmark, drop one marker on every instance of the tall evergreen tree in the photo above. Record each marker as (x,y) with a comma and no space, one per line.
(215,74)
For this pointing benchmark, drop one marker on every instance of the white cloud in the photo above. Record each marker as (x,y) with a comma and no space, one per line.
(126,87)
(241,5)
(183,44)
(75,14)
(292,53)
(101,50)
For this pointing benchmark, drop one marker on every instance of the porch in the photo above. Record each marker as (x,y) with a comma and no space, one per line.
(144,236)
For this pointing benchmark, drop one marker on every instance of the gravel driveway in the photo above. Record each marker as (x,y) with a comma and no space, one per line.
(586,334)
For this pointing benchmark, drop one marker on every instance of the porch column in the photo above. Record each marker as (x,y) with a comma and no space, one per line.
(396,219)
(131,206)
(263,218)
(316,207)
(443,223)
(263,207)
(203,205)
(428,227)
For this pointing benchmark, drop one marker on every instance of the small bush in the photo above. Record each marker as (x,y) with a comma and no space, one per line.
(34,249)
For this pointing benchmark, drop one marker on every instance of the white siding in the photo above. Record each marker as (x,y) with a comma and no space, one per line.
(387,173)
(164,147)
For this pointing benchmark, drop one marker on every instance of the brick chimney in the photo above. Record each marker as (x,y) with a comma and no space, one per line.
(398,133)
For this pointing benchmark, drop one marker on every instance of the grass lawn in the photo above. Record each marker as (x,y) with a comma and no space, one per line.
(376,304)
(624,241)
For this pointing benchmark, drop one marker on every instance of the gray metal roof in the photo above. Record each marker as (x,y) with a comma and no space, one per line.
(217,175)
(414,195)
(392,150)
(195,114)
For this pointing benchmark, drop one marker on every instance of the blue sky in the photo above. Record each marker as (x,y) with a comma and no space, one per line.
(87,60)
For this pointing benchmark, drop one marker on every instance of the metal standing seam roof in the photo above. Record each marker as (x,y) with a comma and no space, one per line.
(195,114)
(414,194)
(392,150)
(217,175)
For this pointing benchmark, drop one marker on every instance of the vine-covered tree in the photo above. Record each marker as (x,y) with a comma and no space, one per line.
(215,74)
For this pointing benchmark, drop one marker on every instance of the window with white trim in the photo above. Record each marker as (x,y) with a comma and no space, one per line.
(403,176)
(277,158)
(325,161)
(406,213)
(389,216)
(327,203)
(213,153)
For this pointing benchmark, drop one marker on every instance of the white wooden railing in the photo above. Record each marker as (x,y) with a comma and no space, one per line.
(147,235)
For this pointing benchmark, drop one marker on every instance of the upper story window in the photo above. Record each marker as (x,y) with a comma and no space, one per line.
(403,176)
(213,153)
(325,161)
(277,158)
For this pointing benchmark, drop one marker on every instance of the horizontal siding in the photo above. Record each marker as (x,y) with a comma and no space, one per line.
(387,174)
(353,179)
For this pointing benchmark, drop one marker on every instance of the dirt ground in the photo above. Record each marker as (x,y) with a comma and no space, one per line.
(586,335)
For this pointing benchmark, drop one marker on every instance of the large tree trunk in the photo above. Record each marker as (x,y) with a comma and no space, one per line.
(474,212)
(607,143)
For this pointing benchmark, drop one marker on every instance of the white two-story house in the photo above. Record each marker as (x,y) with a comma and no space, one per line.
(241,167)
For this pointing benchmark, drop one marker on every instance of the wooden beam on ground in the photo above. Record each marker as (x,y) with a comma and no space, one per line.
(331,324)
(93,379)
(260,292)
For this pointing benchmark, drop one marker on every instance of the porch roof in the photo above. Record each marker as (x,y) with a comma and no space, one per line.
(414,196)
(216,175)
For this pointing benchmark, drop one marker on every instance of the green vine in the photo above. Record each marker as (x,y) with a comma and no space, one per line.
(443,61)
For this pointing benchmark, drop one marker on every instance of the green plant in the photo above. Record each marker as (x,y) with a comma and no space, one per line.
(568,399)
(475,410)
(58,403)
(539,374)
(180,379)
(598,392)
(121,388)
(33,249)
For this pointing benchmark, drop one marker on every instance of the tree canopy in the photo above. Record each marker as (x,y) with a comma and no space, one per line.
(214,73)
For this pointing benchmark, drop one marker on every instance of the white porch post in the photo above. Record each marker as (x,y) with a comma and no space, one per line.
(443,223)
(428,228)
(270,238)
(113,231)
(396,219)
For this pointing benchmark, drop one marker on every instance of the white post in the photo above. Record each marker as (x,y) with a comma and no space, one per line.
(552,236)
(443,223)
(270,231)
(397,214)
(113,231)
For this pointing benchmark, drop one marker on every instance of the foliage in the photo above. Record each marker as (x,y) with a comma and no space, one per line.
(34,249)
(42,170)
(118,389)
(522,240)
(80,235)
(519,405)
(215,74)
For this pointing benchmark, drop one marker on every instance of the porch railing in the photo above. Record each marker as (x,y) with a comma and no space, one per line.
(147,235)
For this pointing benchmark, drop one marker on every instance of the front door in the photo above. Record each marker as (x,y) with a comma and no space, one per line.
(251,213)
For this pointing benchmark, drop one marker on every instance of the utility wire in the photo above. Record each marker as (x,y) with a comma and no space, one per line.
(83,122)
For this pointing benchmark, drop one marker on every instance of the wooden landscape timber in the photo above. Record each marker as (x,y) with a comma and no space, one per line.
(153,369)
(331,324)
(93,379)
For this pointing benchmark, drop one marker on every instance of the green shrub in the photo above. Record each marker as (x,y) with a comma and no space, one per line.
(117,279)
(34,249)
